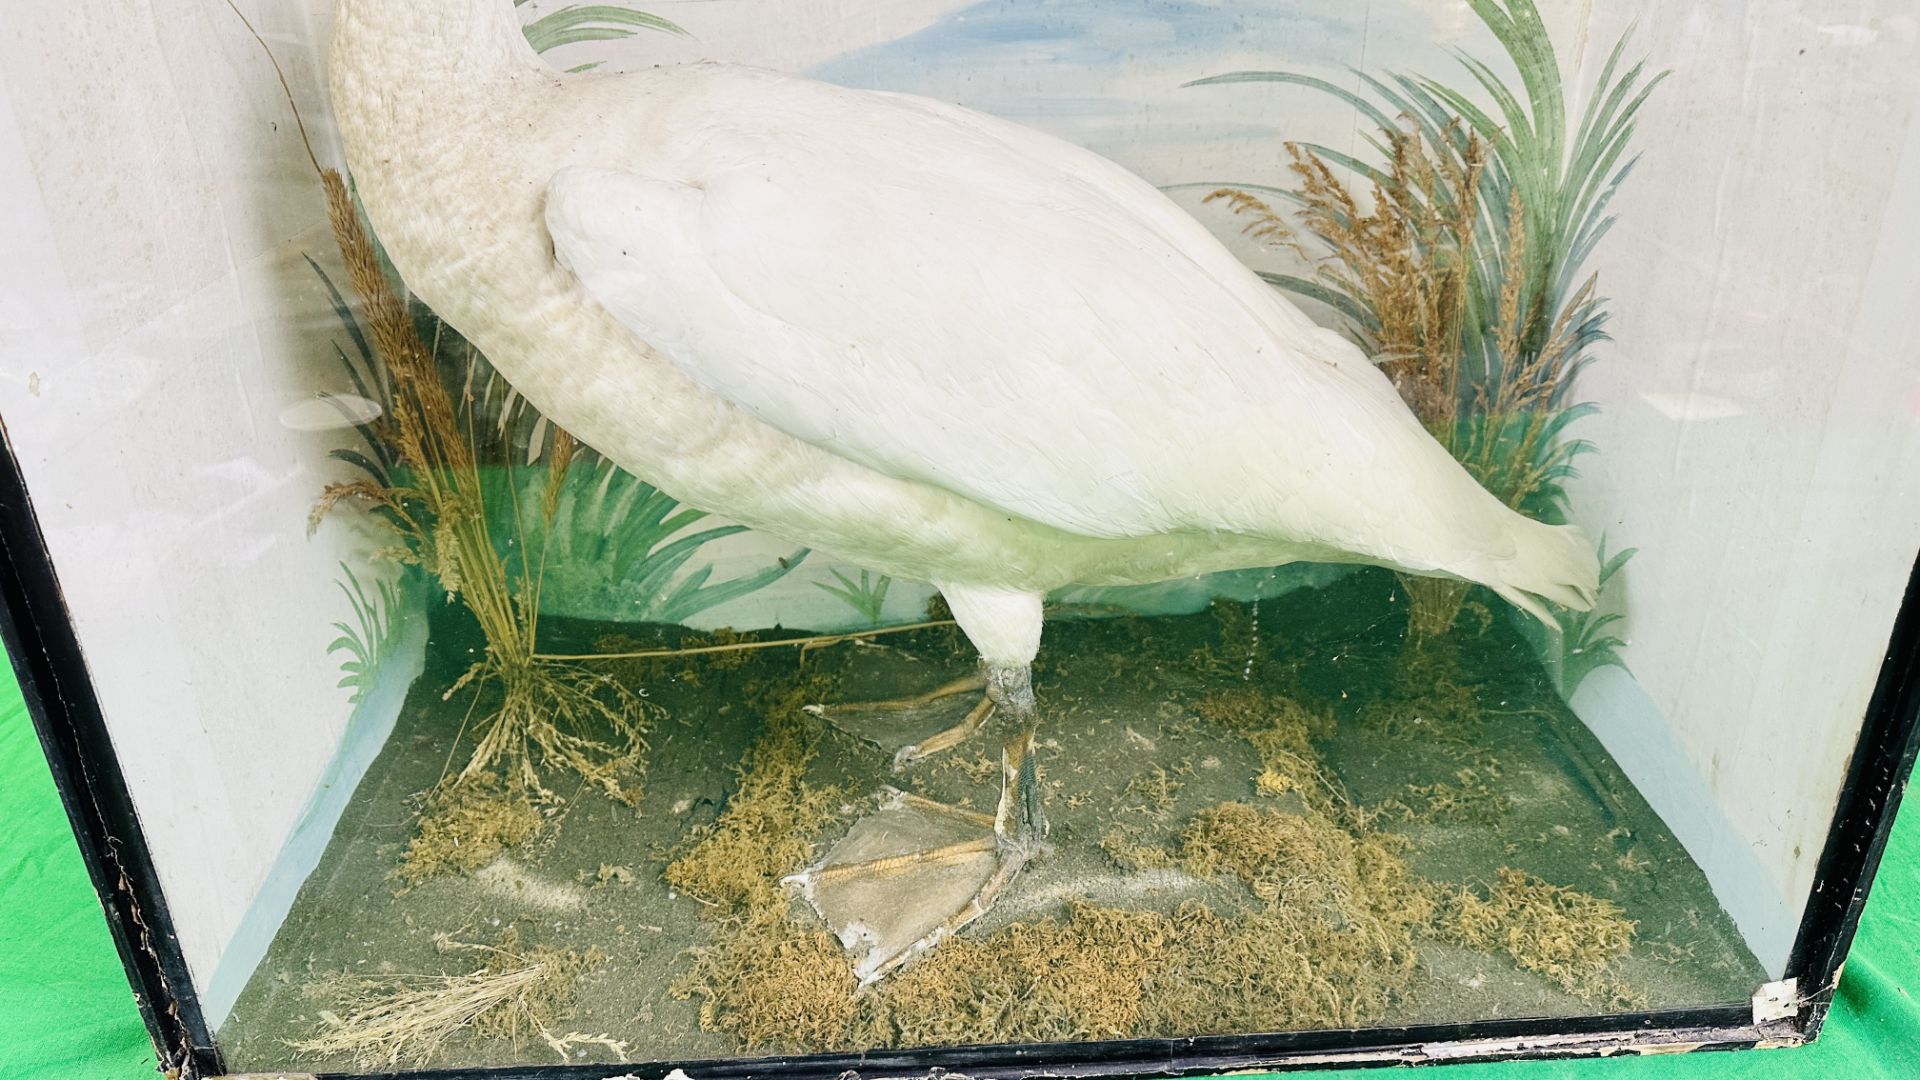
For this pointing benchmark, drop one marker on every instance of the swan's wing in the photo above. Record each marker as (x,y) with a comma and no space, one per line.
(950,298)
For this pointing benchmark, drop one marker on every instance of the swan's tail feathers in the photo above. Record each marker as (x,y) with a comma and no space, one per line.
(1556,563)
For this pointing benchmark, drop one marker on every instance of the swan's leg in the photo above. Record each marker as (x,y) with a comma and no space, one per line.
(914,872)
(842,714)
(942,740)
(1004,624)
(1008,687)
(968,684)
(975,719)
(1019,823)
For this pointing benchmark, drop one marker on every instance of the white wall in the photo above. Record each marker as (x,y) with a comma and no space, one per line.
(1761,428)
(155,318)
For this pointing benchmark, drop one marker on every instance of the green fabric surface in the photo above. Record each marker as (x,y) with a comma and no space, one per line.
(66,1011)
(65,1006)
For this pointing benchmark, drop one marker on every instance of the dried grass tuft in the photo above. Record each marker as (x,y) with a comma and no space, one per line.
(545,714)
(558,715)
(1407,257)
(518,993)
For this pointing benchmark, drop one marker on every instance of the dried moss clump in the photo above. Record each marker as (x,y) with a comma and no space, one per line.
(1089,976)
(1307,858)
(1105,973)
(1427,698)
(1561,933)
(1346,891)
(773,984)
(517,993)
(766,979)
(1326,933)
(1472,799)
(1272,969)
(1327,940)
(466,824)
(765,832)
(1282,732)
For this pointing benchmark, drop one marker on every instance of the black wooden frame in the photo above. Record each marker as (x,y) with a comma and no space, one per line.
(48,661)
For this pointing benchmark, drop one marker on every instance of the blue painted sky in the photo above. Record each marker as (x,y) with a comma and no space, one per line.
(1108,73)
(1100,33)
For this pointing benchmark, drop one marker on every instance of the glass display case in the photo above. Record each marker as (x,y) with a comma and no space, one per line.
(1010,536)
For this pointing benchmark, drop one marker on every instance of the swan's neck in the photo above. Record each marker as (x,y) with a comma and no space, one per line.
(431,44)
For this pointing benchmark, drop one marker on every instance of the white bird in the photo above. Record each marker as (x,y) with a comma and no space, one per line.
(930,342)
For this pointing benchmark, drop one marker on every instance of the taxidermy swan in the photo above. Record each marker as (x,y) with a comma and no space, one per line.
(932,343)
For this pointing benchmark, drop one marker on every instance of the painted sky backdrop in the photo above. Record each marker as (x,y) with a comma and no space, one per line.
(1107,74)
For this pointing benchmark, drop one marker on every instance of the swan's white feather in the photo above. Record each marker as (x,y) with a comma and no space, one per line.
(951,298)
(934,344)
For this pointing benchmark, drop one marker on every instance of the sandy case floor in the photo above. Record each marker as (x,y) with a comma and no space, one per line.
(1225,802)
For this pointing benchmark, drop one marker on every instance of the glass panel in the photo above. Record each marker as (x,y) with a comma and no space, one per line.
(565,557)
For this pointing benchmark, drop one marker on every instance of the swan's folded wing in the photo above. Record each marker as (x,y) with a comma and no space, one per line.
(951,299)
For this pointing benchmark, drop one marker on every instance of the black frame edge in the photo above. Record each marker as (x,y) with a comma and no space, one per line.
(1877,776)
(1669,1031)
(51,669)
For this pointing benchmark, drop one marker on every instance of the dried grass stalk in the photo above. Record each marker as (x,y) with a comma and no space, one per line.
(519,993)
(547,714)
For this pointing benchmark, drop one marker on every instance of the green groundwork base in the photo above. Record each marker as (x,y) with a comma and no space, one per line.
(65,1010)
